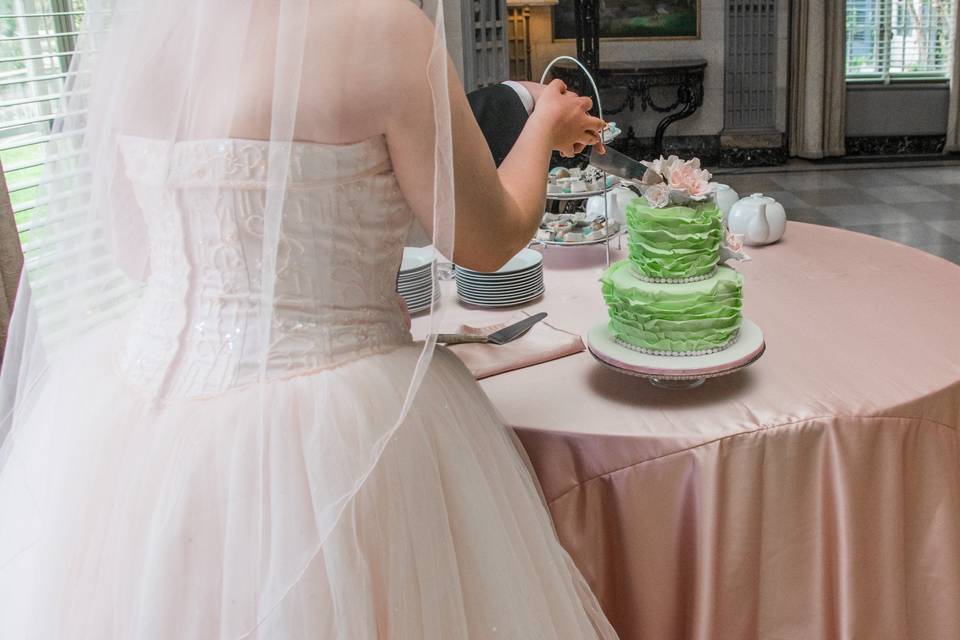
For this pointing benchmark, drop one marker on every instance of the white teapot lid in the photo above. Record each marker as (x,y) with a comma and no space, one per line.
(760,197)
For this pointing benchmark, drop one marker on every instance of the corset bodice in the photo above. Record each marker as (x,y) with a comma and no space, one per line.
(197,330)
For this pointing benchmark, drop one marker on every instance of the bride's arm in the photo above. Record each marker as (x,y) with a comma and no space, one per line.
(497,211)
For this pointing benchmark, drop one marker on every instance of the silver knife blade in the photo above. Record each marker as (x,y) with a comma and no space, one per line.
(515,330)
(617,163)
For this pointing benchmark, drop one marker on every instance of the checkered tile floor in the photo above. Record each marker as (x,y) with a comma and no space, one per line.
(917,206)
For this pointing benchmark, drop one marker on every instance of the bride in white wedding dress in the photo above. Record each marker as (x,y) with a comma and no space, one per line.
(221,427)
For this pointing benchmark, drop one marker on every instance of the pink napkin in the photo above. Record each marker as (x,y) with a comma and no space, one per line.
(542,343)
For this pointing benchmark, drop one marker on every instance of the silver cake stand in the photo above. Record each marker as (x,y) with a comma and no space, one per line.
(677,372)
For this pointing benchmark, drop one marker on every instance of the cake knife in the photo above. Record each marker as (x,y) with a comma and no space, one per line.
(503,336)
(617,163)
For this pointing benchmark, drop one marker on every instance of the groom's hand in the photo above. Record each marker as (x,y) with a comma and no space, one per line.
(563,117)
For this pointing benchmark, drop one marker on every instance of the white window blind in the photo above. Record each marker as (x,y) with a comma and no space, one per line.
(38,39)
(890,40)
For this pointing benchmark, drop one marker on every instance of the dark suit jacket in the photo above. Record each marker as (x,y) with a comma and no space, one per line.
(501,115)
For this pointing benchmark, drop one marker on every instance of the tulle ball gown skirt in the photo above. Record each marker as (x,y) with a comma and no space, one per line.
(121,519)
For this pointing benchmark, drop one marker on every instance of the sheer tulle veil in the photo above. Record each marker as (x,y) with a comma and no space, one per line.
(176,71)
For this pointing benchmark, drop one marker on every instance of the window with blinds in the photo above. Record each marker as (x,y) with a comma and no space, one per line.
(50,195)
(890,40)
(37,42)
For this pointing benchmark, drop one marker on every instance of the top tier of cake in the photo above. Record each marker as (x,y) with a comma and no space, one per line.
(674,243)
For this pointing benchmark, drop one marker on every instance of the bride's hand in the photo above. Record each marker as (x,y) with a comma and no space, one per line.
(563,117)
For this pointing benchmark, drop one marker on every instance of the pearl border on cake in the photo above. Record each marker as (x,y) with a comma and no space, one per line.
(698,352)
(639,276)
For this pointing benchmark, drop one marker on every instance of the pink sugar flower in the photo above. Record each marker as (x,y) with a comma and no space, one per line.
(690,181)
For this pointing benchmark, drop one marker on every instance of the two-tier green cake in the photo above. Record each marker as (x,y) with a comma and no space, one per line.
(672,296)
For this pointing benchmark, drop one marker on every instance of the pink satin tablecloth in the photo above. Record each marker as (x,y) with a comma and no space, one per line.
(814,495)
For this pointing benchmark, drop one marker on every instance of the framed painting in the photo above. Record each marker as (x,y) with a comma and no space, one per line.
(634,19)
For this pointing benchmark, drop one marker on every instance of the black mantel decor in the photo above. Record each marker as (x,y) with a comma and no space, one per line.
(671,87)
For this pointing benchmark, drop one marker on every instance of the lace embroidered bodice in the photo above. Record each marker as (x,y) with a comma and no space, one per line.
(195,332)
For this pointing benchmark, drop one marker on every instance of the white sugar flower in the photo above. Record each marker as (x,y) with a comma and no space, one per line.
(662,166)
(658,195)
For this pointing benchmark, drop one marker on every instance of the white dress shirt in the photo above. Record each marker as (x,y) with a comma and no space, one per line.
(525,96)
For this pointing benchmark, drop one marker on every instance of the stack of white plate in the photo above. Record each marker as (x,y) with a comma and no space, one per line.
(415,281)
(517,282)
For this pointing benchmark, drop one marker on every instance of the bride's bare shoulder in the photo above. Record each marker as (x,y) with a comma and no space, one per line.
(364,56)
(377,27)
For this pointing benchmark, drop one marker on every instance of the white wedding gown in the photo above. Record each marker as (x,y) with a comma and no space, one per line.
(135,465)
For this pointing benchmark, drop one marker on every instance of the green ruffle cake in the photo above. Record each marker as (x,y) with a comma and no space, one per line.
(674,242)
(693,316)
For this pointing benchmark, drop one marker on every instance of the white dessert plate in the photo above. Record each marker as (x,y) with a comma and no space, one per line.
(418,309)
(423,293)
(501,283)
(499,289)
(495,297)
(415,295)
(677,372)
(415,276)
(414,286)
(494,285)
(419,293)
(415,258)
(411,309)
(514,295)
(511,303)
(495,275)
(426,286)
(526,259)
(413,303)
(417,282)
(405,288)
(421,306)
(419,274)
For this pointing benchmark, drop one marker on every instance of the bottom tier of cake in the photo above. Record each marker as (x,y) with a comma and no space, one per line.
(689,318)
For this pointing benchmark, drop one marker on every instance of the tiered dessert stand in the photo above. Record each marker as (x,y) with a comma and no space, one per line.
(563,201)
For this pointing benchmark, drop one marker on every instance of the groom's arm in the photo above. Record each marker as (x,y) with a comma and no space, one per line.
(501,111)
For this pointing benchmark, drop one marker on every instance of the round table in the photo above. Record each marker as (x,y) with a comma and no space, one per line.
(814,495)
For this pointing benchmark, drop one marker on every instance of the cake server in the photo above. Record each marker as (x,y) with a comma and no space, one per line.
(503,336)
(617,163)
